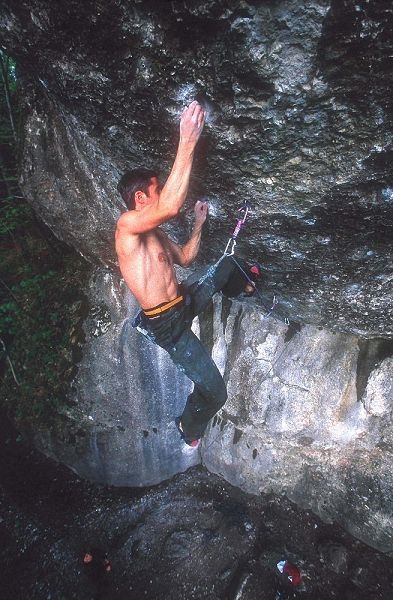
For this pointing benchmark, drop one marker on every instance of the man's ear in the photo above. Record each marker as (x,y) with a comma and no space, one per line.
(140,197)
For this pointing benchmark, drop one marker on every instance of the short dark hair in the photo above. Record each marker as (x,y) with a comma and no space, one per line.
(132,182)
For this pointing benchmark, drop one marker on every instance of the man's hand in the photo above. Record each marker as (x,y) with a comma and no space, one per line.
(191,123)
(200,211)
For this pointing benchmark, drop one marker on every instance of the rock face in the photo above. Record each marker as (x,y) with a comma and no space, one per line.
(127,395)
(300,125)
(299,421)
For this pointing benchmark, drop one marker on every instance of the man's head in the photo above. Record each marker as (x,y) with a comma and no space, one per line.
(134,185)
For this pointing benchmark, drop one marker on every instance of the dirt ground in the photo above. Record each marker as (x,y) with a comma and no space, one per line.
(194,537)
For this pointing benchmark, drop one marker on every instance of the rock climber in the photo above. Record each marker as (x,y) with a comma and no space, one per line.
(147,257)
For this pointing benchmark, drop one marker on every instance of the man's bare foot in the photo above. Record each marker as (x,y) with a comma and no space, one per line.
(254,274)
(249,289)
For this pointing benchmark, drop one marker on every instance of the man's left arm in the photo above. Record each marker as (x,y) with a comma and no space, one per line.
(185,255)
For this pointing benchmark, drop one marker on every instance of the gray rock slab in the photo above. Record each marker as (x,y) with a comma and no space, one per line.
(127,394)
(294,424)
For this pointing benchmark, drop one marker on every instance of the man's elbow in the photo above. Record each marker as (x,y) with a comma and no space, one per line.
(174,211)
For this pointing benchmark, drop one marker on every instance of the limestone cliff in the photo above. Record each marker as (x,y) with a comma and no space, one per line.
(300,124)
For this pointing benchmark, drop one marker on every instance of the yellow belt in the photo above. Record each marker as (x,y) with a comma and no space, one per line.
(160,309)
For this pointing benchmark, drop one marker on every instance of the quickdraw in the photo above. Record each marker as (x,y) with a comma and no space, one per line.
(230,251)
(243,212)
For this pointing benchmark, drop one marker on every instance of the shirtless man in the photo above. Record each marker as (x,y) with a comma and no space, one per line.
(146,259)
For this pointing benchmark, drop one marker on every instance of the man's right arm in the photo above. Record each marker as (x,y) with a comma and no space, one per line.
(175,189)
(174,192)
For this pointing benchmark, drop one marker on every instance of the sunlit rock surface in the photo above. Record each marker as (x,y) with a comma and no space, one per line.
(299,124)
(299,420)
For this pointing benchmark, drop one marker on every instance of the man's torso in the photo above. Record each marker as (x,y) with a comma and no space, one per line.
(146,263)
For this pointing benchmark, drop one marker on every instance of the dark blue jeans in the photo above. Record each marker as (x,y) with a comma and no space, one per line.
(172,331)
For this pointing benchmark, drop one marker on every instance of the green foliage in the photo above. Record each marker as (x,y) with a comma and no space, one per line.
(11,70)
(13,215)
(8,312)
(41,322)
(10,84)
(41,303)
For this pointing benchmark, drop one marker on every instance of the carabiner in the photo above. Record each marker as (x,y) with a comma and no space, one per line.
(231,251)
(245,208)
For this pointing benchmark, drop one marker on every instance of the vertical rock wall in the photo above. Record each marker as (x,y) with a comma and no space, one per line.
(299,106)
(304,415)
(296,424)
(126,396)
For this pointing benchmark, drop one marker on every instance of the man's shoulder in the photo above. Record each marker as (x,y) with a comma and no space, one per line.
(124,233)
(129,223)
(126,230)
(125,217)
(126,224)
